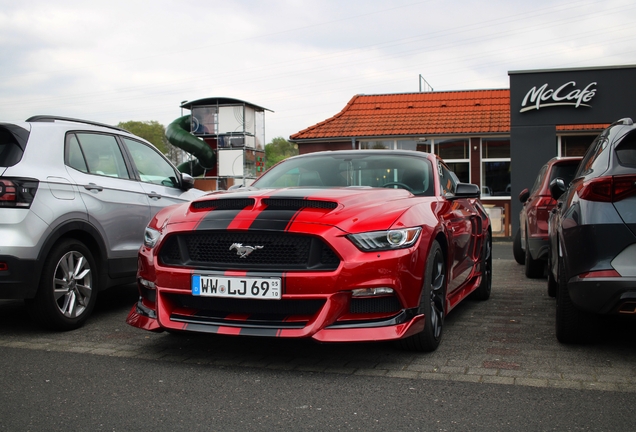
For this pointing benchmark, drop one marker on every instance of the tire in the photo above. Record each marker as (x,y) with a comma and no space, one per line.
(483,291)
(534,268)
(432,304)
(552,285)
(573,326)
(68,287)
(517,250)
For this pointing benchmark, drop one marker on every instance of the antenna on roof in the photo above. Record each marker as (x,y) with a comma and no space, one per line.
(427,86)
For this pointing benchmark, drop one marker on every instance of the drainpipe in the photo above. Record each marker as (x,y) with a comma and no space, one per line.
(353,143)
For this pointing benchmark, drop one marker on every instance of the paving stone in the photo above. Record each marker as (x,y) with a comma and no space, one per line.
(508,340)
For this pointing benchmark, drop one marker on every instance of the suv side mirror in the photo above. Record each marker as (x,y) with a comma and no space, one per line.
(523,196)
(557,188)
(187,182)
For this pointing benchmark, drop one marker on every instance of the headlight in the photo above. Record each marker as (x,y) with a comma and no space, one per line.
(151,236)
(386,240)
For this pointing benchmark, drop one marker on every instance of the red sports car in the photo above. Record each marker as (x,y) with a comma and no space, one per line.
(336,246)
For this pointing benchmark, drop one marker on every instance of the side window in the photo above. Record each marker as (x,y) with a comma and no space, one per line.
(448,181)
(152,167)
(101,154)
(539,180)
(626,151)
(74,155)
(593,158)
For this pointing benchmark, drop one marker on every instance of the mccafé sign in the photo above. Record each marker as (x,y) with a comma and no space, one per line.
(566,95)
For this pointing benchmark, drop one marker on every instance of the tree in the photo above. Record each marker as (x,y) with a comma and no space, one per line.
(279,149)
(154,132)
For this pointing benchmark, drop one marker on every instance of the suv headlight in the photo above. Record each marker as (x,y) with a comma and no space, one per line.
(386,240)
(151,237)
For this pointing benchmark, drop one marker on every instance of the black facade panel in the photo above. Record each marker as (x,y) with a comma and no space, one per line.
(531,147)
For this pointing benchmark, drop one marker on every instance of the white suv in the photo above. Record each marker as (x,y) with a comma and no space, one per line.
(75,198)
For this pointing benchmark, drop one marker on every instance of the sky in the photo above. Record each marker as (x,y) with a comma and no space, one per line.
(115,61)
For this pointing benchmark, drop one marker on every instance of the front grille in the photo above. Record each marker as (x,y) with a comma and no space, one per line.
(251,307)
(257,315)
(248,250)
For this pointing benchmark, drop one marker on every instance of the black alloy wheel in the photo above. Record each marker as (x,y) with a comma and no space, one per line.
(432,304)
(485,287)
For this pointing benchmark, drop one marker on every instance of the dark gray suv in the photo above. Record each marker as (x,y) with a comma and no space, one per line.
(592,232)
(75,198)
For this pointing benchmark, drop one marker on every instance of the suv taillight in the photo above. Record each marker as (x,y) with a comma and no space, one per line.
(608,189)
(17,192)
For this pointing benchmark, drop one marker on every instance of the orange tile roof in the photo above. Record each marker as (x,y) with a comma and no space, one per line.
(409,114)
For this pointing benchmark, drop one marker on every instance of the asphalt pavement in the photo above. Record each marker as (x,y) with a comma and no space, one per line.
(498,367)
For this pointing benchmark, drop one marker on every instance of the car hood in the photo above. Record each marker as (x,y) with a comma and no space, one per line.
(349,209)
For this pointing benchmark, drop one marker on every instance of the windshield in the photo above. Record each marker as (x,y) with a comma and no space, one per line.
(322,171)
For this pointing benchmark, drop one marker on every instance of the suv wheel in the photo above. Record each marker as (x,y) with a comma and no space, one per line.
(534,268)
(572,324)
(68,287)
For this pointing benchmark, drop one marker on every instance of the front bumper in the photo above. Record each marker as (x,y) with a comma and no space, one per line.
(322,327)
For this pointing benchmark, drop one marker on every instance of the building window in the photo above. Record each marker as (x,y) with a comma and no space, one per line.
(389,145)
(456,153)
(406,145)
(575,145)
(495,166)
(449,149)
(376,145)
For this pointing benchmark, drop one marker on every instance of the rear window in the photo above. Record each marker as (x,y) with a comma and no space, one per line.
(626,151)
(564,171)
(12,142)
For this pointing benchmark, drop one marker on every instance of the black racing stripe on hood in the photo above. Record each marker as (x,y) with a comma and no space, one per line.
(217,220)
(274,220)
(278,220)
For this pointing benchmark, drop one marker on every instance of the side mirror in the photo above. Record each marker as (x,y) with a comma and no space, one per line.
(523,196)
(187,182)
(466,190)
(557,188)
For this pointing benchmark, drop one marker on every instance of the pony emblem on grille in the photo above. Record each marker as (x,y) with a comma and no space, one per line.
(244,251)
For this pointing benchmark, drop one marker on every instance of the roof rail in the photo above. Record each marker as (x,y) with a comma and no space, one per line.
(627,121)
(48,118)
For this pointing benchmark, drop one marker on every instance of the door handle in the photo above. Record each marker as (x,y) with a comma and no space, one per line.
(154,195)
(93,186)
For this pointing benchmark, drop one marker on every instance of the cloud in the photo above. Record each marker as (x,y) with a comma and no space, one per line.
(113,61)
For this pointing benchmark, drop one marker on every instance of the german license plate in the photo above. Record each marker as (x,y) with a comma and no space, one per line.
(236,287)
